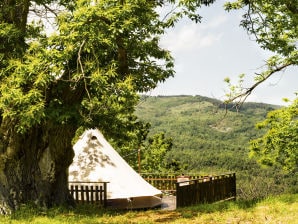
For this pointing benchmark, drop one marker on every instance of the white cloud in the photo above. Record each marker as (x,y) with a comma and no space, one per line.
(215,22)
(189,38)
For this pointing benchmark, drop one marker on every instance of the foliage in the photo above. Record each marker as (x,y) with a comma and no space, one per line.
(106,52)
(280,143)
(154,152)
(272,23)
(85,58)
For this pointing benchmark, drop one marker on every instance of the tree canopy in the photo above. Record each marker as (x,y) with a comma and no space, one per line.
(89,71)
(154,153)
(278,146)
(103,53)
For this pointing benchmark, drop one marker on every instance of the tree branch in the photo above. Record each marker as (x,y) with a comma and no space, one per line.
(82,68)
(243,96)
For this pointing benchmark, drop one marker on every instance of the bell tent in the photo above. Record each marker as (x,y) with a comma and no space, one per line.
(96,160)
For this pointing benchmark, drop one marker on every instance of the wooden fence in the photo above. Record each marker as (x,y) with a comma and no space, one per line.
(89,192)
(165,182)
(206,190)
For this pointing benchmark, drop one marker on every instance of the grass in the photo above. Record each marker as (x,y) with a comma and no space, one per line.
(273,210)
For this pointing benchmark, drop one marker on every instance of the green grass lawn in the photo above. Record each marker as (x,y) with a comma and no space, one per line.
(278,210)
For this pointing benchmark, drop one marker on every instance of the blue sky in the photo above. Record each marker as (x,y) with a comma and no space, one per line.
(217,48)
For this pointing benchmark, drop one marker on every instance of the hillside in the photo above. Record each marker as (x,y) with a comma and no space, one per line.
(200,124)
(209,137)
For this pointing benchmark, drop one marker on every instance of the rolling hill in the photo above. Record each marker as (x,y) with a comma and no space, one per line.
(211,138)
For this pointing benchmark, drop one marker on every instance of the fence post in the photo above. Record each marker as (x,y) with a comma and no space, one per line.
(92,194)
(96,194)
(82,193)
(105,194)
(76,193)
(87,193)
(178,196)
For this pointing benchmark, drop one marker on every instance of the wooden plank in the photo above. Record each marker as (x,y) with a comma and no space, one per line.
(92,194)
(105,194)
(82,193)
(76,192)
(101,198)
(97,192)
(87,193)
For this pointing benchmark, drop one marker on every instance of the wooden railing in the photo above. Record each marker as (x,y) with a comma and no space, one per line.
(165,182)
(206,190)
(89,192)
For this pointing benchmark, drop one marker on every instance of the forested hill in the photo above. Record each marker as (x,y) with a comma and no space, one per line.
(210,138)
(207,135)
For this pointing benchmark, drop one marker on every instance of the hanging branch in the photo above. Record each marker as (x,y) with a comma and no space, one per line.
(241,97)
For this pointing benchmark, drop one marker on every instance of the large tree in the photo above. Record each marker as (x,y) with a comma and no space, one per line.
(87,73)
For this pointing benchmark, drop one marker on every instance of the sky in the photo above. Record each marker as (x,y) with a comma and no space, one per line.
(208,52)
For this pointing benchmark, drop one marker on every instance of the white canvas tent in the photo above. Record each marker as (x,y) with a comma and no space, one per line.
(96,160)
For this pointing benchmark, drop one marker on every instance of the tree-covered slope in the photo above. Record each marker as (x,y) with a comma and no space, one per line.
(201,123)
(209,137)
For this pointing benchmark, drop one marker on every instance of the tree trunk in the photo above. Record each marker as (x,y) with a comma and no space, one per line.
(33,166)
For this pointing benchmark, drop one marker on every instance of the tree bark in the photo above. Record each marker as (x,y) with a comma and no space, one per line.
(33,167)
